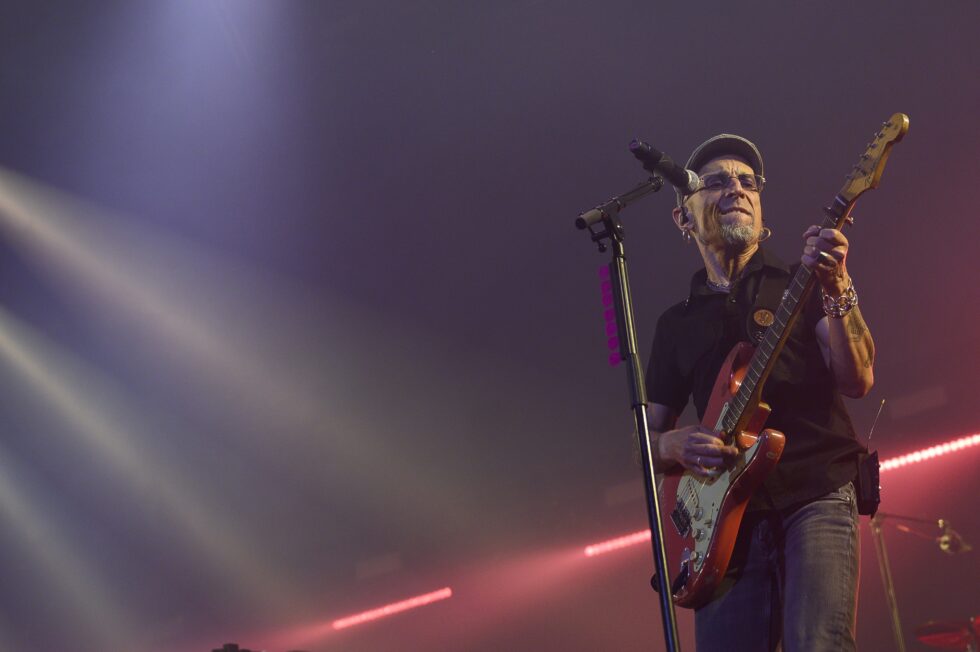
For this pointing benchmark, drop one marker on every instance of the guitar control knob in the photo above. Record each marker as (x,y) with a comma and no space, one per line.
(698,534)
(696,556)
(698,513)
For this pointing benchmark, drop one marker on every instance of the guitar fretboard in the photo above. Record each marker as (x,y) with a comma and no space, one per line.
(789,309)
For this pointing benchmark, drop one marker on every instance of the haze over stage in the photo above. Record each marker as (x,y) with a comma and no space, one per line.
(295,324)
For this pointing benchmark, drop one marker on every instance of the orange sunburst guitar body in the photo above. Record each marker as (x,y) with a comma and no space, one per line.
(708,512)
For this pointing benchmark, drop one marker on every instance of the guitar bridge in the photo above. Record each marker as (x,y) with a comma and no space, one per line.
(681,520)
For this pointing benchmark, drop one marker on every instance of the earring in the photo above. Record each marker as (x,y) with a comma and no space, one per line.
(766,234)
(686,237)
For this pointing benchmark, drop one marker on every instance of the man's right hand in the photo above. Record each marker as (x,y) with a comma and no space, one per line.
(697,449)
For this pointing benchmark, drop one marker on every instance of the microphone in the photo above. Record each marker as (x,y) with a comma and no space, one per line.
(656,162)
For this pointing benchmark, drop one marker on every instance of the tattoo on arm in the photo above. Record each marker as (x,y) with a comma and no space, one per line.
(870,360)
(855,327)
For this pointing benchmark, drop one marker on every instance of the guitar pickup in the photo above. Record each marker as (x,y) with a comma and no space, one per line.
(681,520)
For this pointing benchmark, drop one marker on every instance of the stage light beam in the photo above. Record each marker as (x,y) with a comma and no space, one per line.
(95,606)
(52,226)
(87,407)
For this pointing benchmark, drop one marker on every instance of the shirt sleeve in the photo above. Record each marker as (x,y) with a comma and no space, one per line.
(664,382)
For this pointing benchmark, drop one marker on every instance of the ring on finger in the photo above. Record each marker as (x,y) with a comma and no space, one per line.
(827,258)
(699,460)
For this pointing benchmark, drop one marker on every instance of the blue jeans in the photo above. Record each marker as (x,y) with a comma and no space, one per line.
(793,579)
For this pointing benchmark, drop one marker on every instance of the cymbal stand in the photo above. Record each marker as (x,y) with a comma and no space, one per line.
(886,579)
(885,567)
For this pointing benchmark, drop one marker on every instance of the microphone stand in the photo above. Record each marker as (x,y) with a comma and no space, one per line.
(604,225)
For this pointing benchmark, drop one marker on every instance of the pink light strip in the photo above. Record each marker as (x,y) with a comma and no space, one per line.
(932,451)
(393,608)
(617,543)
(891,463)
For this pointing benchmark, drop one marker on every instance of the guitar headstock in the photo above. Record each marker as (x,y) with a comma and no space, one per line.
(867,172)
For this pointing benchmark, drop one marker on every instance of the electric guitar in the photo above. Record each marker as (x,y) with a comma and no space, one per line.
(709,511)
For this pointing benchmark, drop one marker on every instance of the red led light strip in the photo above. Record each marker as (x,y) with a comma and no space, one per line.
(617,543)
(393,608)
(929,453)
(891,463)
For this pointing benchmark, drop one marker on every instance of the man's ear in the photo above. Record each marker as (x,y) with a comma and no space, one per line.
(682,218)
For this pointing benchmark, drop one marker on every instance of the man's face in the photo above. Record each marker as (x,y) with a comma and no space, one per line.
(731,214)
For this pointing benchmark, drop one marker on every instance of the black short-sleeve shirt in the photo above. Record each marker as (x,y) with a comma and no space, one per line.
(690,344)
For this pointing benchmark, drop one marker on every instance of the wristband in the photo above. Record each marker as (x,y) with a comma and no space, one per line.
(837,307)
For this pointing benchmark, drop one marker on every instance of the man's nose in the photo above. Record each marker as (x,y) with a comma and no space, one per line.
(734,186)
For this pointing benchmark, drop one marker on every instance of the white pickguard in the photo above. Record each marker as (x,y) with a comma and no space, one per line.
(703,499)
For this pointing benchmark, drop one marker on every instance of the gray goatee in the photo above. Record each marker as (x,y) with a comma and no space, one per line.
(738,234)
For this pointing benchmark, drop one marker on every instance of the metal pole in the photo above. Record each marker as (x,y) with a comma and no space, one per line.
(886,579)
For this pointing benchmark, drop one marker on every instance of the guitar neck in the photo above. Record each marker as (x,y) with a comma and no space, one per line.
(789,310)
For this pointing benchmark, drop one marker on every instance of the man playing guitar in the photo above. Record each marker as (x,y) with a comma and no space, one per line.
(793,573)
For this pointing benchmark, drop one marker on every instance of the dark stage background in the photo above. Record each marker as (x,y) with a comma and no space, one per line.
(294,321)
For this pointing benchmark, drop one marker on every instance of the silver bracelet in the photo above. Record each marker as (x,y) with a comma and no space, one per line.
(837,307)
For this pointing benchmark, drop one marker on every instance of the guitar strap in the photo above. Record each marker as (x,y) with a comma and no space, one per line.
(767,299)
(762,314)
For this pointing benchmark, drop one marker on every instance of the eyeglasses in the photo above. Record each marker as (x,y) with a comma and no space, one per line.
(720,180)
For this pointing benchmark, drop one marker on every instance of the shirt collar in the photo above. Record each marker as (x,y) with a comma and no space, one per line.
(761,258)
